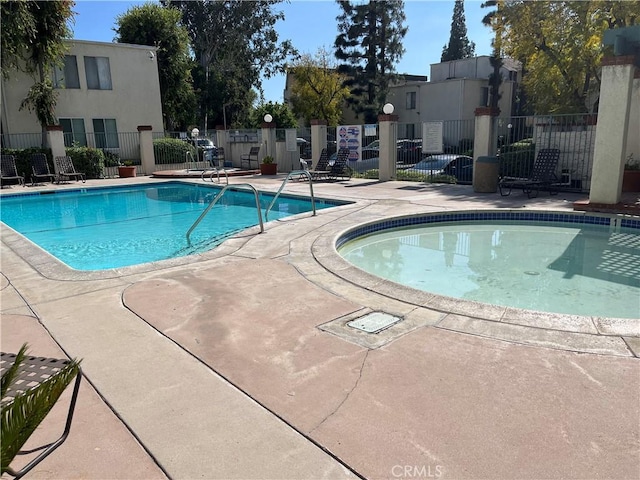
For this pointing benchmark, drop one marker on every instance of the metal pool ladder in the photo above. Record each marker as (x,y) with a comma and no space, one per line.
(215,200)
(214,171)
(284,182)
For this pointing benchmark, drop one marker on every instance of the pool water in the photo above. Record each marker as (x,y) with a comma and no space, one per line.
(102,228)
(552,267)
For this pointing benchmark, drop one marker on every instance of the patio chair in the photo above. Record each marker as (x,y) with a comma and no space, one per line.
(321,169)
(30,388)
(8,170)
(40,168)
(247,158)
(340,169)
(219,158)
(543,175)
(66,170)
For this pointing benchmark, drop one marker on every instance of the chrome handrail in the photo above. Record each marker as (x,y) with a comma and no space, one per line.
(284,182)
(216,171)
(215,200)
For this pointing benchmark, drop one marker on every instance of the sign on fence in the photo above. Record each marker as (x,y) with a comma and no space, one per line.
(432,137)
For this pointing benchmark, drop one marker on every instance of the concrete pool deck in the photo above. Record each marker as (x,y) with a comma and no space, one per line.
(237,363)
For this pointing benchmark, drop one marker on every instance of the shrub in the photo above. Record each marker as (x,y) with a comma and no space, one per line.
(516,159)
(87,160)
(172,150)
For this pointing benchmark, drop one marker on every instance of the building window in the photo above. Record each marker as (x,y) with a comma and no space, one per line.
(98,73)
(67,75)
(106,133)
(484,96)
(73,132)
(411,100)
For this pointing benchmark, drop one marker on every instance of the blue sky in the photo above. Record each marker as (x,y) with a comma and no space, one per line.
(311,24)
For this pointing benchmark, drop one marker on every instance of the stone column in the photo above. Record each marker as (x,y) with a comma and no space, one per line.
(483,138)
(318,139)
(269,139)
(147,157)
(55,140)
(613,128)
(388,125)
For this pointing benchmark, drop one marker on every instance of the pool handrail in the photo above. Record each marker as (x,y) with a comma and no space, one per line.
(215,200)
(284,182)
(215,170)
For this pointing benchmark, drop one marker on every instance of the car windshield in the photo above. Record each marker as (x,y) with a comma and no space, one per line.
(432,164)
(374,144)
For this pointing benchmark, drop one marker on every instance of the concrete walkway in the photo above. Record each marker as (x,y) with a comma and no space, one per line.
(238,364)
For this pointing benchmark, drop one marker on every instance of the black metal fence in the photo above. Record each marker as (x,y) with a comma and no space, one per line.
(519,139)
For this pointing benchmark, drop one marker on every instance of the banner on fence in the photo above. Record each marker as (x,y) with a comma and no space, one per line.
(349,136)
(290,139)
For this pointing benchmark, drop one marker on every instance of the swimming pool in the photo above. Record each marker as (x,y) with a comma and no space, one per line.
(109,227)
(546,261)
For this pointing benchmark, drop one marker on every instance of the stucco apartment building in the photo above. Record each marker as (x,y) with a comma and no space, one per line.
(104,89)
(452,92)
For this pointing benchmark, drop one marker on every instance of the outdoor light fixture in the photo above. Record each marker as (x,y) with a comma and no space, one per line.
(194,133)
(268,118)
(388,108)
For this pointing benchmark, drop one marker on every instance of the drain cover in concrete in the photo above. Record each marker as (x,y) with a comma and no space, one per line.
(374,322)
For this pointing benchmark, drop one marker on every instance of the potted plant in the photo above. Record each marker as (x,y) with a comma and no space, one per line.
(631,176)
(268,166)
(127,169)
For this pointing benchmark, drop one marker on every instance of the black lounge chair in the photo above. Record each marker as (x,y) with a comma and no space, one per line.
(321,170)
(66,171)
(340,169)
(40,168)
(8,170)
(542,176)
(31,386)
(247,158)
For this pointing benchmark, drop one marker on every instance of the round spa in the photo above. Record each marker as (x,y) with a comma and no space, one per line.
(567,263)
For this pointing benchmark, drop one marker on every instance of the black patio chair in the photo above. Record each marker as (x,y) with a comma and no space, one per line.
(340,169)
(31,386)
(40,168)
(247,158)
(542,176)
(66,171)
(8,170)
(321,170)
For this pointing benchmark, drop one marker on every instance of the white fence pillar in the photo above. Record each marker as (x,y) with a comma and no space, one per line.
(147,157)
(269,139)
(613,128)
(388,125)
(55,140)
(483,140)
(318,139)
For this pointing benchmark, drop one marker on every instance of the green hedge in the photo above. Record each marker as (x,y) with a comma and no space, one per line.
(87,160)
(172,150)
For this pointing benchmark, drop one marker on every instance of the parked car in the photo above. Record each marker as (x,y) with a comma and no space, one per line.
(458,166)
(408,151)
(207,150)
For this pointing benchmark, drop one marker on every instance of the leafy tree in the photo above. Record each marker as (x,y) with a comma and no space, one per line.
(151,24)
(459,46)
(234,44)
(33,35)
(495,78)
(317,91)
(369,45)
(282,115)
(560,46)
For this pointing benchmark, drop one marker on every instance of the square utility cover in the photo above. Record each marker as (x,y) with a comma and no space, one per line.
(374,322)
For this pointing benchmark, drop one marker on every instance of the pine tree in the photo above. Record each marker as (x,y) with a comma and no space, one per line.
(369,45)
(459,46)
